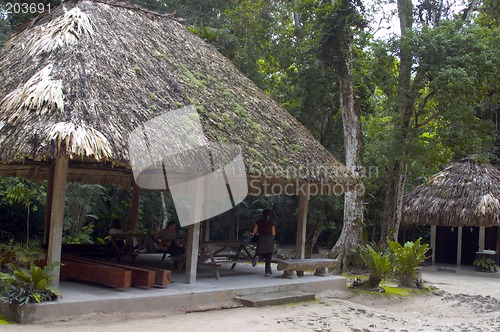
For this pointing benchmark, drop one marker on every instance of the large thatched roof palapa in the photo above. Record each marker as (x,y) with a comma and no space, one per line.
(466,193)
(78,81)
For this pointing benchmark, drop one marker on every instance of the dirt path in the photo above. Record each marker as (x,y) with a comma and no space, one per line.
(464,303)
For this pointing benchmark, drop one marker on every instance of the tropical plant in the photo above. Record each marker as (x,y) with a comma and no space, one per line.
(21,254)
(84,236)
(27,194)
(378,264)
(407,258)
(25,286)
(485,264)
(26,253)
(7,253)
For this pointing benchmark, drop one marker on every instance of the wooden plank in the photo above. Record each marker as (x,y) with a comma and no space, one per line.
(163,278)
(141,277)
(104,275)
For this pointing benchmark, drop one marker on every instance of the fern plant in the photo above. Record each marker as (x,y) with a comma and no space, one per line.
(378,264)
(7,253)
(407,258)
(22,254)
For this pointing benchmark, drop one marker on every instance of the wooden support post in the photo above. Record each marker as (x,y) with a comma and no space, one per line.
(206,230)
(433,242)
(57,216)
(482,233)
(459,245)
(193,240)
(498,245)
(300,244)
(48,204)
(192,253)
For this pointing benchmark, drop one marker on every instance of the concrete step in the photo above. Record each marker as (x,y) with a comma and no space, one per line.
(260,300)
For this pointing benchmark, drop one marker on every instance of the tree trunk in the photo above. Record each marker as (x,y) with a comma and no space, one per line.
(391,218)
(404,107)
(296,15)
(313,237)
(352,228)
(164,210)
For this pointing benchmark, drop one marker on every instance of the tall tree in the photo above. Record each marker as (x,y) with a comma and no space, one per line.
(339,20)
(406,94)
(440,59)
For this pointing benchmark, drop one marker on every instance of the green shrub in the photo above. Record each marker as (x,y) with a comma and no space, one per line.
(7,253)
(406,260)
(378,264)
(25,282)
(25,286)
(21,254)
(485,264)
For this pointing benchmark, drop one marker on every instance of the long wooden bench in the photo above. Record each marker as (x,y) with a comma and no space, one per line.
(101,274)
(295,267)
(142,276)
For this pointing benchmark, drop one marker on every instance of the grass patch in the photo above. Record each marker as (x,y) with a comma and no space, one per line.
(391,290)
(394,290)
(354,276)
(4,321)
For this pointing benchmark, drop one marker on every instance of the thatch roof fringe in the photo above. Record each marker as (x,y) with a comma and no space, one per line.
(66,29)
(39,95)
(80,140)
(486,204)
(466,193)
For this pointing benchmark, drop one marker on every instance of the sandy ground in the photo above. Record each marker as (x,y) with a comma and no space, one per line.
(461,303)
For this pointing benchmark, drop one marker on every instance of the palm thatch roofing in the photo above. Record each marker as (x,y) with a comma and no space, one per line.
(79,80)
(467,193)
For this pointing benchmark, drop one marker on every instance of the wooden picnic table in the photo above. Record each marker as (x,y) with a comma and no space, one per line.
(214,253)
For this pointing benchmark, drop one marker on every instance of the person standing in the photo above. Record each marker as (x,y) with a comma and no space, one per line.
(265,246)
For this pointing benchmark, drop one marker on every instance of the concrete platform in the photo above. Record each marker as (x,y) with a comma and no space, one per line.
(207,293)
(460,269)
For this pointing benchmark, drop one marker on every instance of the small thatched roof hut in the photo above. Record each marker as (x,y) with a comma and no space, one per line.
(466,193)
(77,81)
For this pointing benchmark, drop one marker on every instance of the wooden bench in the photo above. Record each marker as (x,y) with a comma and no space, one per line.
(145,277)
(295,267)
(100,274)
(214,253)
(140,277)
